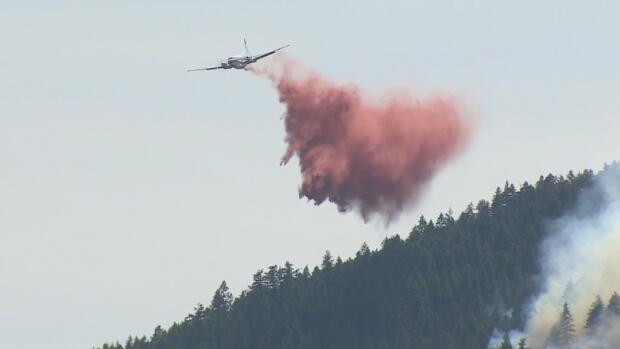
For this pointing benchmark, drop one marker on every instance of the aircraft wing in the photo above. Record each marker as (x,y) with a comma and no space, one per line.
(211,68)
(257,57)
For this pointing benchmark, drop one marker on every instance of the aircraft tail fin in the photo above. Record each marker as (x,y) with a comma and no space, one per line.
(245,48)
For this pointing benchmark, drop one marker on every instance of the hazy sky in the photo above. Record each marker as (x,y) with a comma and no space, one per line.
(129,189)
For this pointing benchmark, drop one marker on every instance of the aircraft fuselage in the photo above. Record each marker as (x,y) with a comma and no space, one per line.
(241,61)
(237,62)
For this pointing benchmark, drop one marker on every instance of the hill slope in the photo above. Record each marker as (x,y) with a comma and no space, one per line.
(447,285)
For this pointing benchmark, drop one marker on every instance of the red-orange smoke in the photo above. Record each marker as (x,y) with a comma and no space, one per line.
(371,154)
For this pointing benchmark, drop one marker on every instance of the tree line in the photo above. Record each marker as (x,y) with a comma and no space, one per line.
(564,334)
(447,284)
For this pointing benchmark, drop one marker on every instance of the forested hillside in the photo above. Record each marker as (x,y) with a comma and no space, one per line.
(447,284)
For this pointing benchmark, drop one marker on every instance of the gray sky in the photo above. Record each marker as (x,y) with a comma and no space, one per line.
(129,188)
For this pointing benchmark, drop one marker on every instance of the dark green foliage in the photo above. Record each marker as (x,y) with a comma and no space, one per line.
(448,285)
(222,300)
(595,314)
(328,261)
(613,308)
(522,344)
(506,342)
(563,333)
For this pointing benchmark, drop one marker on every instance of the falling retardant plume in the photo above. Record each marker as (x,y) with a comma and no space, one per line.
(363,152)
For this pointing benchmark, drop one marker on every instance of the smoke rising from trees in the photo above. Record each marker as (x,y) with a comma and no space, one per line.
(580,262)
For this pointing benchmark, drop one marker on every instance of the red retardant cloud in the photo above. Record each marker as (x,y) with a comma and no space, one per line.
(370,154)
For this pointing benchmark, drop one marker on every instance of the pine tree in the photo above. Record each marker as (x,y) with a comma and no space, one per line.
(222,299)
(417,229)
(129,342)
(258,280)
(364,250)
(272,278)
(506,342)
(328,261)
(305,274)
(613,308)
(563,333)
(288,272)
(595,314)
(522,344)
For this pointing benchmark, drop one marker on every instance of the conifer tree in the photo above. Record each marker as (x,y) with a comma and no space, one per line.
(272,277)
(258,280)
(305,273)
(595,314)
(364,250)
(613,308)
(506,342)
(222,299)
(328,261)
(563,333)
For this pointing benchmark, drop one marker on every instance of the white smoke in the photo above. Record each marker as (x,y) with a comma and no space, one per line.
(498,336)
(605,337)
(580,260)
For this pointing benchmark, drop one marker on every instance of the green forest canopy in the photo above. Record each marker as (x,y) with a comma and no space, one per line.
(447,285)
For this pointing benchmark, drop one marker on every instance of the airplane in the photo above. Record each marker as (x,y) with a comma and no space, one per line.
(241,61)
